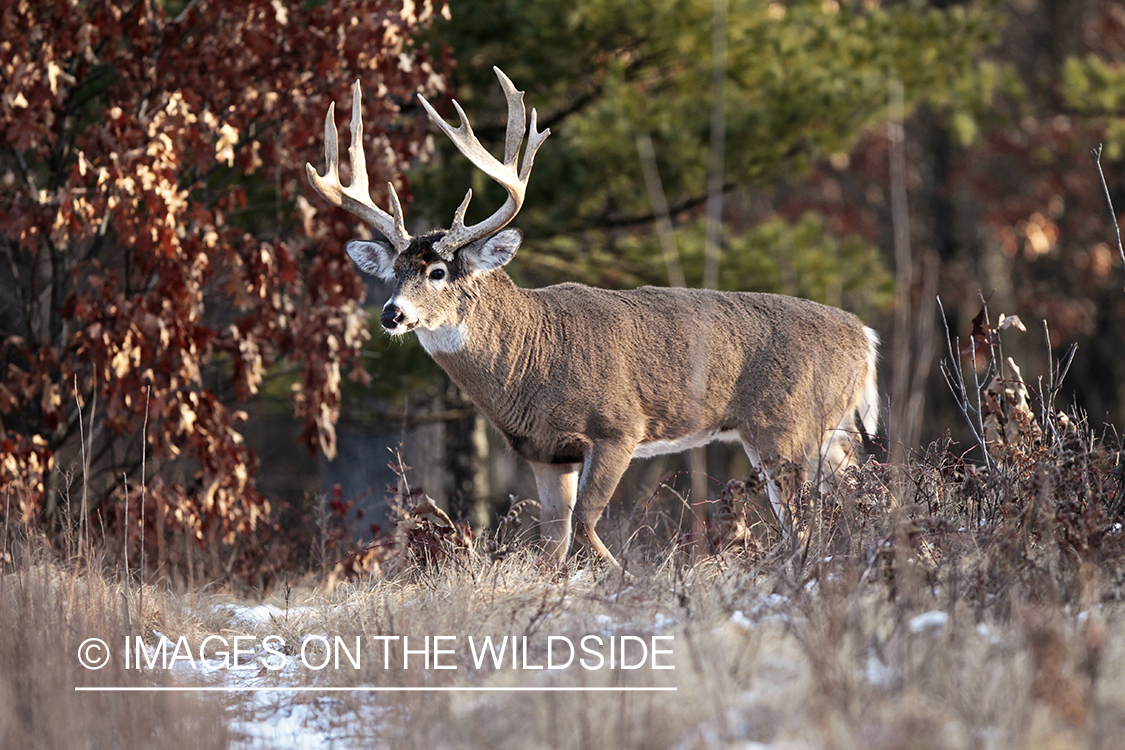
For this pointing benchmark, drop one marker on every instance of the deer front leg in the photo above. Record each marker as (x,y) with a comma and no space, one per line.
(558,487)
(605,463)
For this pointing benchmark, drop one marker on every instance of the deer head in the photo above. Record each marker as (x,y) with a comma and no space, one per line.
(432,271)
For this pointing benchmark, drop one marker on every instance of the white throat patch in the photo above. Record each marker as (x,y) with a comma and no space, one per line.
(443,339)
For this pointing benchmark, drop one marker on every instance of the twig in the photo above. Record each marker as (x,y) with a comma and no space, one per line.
(955,380)
(1097,154)
(977,379)
(144,486)
(995,346)
(322,531)
(125,528)
(1044,404)
(125,553)
(85,469)
(89,452)
(1056,373)
(4,547)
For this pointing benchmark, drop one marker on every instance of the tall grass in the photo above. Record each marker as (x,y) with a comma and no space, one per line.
(47,609)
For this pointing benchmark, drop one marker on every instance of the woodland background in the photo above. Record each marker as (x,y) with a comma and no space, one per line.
(185,351)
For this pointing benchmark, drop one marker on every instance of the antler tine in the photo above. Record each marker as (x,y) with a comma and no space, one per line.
(534,141)
(459,214)
(513,136)
(331,144)
(356,198)
(514,180)
(355,150)
(466,142)
(396,208)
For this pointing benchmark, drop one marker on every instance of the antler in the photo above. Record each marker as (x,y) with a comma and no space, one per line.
(357,197)
(515,182)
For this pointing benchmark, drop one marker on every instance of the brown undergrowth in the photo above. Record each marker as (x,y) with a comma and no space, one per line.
(939,604)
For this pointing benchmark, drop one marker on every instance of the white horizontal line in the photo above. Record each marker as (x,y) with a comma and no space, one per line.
(306,689)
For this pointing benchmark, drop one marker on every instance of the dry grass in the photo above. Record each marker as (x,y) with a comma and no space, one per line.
(46,611)
(936,605)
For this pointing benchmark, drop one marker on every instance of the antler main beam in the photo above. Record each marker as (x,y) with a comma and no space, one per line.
(513,179)
(356,198)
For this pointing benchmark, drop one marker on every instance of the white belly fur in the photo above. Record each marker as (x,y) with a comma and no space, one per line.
(660,447)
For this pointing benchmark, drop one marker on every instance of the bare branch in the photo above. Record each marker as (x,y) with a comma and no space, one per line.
(1097,154)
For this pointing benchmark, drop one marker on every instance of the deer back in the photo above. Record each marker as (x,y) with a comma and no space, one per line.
(559,368)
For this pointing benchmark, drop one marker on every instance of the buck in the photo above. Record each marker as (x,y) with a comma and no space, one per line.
(581,380)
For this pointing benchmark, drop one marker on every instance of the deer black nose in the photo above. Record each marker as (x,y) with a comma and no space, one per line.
(392,317)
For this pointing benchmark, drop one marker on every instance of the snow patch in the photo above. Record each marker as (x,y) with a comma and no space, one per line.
(741,620)
(261,614)
(879,673)
(928,621)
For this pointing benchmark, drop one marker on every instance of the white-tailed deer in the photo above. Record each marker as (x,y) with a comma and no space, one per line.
(579,380)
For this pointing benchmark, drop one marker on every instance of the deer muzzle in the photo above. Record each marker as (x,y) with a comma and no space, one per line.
(392,318)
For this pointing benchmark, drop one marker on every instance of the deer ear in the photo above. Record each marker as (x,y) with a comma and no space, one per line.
(492,252)
(374,257)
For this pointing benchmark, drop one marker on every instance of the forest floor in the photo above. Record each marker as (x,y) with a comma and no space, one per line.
(918,638)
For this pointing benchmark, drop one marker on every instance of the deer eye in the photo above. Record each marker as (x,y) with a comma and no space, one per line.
(437,274)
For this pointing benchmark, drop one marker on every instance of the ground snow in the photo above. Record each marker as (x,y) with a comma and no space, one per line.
(276,718)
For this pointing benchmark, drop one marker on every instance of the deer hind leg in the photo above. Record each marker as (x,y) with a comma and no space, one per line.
(784,480)
(605,463)
(837,452)
(558,489)
(780,508)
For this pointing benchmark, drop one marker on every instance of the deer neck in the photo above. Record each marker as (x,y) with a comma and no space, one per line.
(492,341)
(490,310)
